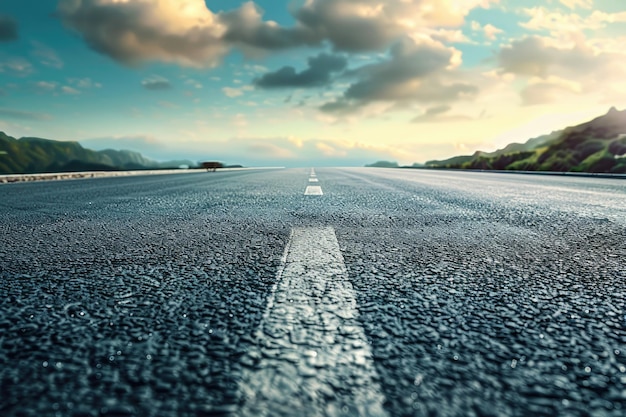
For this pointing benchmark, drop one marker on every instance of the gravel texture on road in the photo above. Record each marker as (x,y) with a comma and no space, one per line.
(478,294)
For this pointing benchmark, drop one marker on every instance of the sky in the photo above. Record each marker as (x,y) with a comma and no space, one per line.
(307,82)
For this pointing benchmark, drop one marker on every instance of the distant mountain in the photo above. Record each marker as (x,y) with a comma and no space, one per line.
(598,146)
(383,164)
(36,155)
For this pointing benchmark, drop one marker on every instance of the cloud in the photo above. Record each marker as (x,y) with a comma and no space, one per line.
(193,83)
(244,27)
(134,31)
(69,90)
(156,83)
(239,120)
(555,22)
(550,70)
(232,92)
(290,151)
(47,56)
(583,4)
(448,35)
(489,31)
(266,150)
(45,86)
(434,111)
(188,33)
(235,92)
(84,83)
(409,61)
(351,26)
(551,90)
(578,59)
(252,151)
(255,151)
(24,115)
(75,87)
(167,104)
(18,67)
(255,69)
(184,32)
(536,56)
(318,74)
(8,29)
(438,114)
(330,151)
(367,25)
(414,72)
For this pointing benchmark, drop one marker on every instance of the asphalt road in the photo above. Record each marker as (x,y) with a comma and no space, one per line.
(380,293)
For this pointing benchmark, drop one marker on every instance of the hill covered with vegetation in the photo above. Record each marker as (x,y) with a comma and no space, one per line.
(383,164)
(36,155)
(598,146)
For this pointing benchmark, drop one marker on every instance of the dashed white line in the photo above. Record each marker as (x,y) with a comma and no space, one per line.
(313,190)
(313,180)
(310,341)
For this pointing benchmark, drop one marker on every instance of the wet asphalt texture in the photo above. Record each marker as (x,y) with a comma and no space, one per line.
(479,294)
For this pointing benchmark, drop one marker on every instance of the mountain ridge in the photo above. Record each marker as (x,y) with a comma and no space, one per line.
(30,155)
(596,146)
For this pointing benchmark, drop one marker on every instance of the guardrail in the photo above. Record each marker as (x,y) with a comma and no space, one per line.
(12,178)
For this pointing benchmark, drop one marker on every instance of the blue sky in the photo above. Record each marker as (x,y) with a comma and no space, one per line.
(311,82)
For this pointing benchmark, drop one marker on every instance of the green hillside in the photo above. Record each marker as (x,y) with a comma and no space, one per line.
(36,155)
(598,146)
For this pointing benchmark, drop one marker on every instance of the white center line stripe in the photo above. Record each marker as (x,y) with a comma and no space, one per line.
(311,356)
(313,190)
(313,180)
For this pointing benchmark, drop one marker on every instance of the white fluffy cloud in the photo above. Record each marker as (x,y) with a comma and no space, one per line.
(540,57)
(236,92)
(131,31)
(187,33)
(577,48)
(489,31)
(557,22)
(183,32)
(583,4)
(54,88)
(553,69)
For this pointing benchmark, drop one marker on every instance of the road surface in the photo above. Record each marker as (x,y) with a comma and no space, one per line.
(301,292)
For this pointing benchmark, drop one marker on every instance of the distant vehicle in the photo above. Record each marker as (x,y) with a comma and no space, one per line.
(212,166)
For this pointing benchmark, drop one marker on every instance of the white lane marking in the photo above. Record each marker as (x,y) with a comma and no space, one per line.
(311,356)
(313,180)
(312,171)
(313,190)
